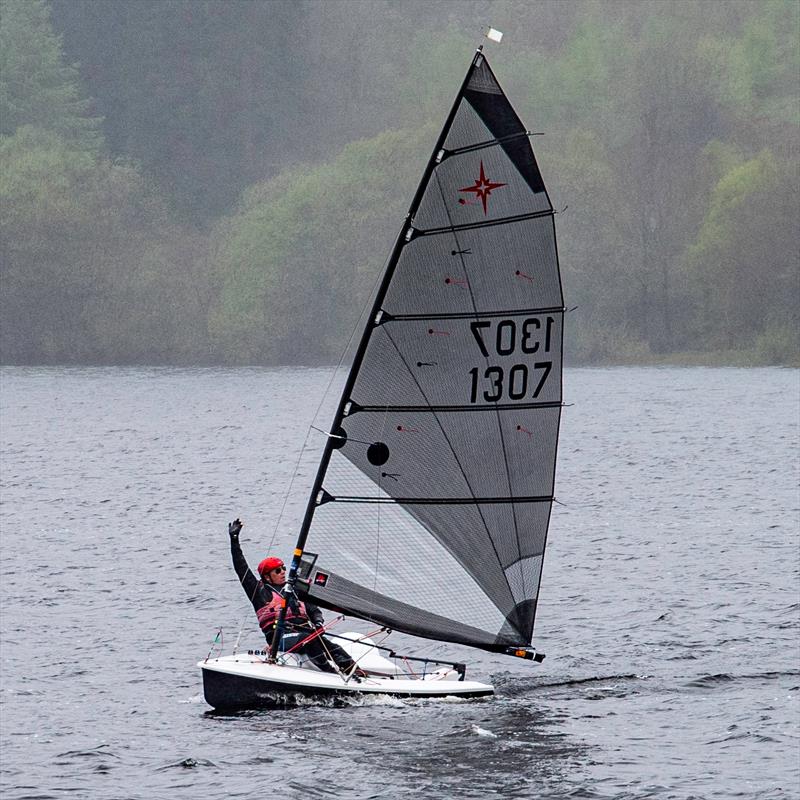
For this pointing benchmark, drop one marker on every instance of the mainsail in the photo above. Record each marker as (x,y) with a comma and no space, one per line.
(430,509)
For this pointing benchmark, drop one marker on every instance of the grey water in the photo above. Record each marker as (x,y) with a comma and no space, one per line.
(669,612)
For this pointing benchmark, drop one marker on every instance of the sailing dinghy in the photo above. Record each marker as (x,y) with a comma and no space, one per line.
(431,504)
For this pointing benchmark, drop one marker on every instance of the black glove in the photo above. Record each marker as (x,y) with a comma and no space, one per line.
(234,529)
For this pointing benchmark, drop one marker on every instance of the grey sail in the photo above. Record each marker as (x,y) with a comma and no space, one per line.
(432,502)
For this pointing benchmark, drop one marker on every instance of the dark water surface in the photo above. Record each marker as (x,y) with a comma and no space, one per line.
(670,608)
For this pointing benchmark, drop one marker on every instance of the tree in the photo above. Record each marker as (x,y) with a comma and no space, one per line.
(36,87)
(298,260)
(745,256)
(90,272)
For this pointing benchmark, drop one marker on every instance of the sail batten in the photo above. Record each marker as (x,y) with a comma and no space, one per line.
(471,226)
(475,314)
(440,500)
(434,409)
(482,145)
(412,492)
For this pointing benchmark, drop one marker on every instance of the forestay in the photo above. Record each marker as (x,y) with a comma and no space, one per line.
(432,502)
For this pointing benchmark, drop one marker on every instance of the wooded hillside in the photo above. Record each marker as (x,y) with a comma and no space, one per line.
(187,181)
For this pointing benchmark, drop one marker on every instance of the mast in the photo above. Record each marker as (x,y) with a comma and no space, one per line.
(372,321)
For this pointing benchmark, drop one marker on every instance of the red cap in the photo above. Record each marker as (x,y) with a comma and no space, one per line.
(269,564)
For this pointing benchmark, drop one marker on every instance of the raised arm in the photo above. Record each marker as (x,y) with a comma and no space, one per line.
(246,578)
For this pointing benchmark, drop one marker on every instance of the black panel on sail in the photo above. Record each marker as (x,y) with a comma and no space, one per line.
(487,98)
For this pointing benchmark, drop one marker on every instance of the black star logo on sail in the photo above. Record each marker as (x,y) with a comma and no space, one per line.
(482,189)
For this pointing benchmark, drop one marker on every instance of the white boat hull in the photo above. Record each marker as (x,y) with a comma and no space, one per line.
(247,681)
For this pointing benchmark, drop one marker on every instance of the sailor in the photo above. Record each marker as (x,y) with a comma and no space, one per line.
(302,619)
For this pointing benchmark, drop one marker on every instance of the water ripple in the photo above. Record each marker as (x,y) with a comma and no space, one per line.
(668,605)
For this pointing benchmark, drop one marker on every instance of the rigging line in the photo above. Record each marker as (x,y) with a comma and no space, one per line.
(357,326)
(220,637)
(291,484)
(497,412)
(463,473)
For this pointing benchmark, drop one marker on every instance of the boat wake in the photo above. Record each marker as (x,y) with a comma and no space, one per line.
(513,687)
(726,678)
(271,701)
(591,680)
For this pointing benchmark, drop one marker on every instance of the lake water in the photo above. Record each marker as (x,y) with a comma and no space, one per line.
(670,607)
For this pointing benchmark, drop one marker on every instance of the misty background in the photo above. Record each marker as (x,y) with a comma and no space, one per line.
(208,182)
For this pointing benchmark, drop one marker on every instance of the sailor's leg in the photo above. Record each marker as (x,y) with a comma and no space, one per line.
(315,651)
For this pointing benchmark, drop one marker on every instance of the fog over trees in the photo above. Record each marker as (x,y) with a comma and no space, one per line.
(211,182)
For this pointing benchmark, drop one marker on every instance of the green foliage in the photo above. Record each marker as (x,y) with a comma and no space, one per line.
(732,191)
(779,344)
(754,72)
(36,87)
(440,54)
(671,134)
(606,343)
(599,266)
(299,259)
(745,256)
(88,268)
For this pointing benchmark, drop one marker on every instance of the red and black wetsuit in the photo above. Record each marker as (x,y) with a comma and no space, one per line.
(301,618)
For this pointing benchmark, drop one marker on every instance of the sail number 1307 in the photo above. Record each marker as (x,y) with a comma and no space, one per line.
(530,337)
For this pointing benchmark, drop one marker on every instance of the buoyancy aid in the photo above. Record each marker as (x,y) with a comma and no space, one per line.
(268,613)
